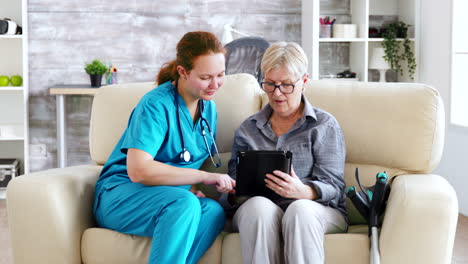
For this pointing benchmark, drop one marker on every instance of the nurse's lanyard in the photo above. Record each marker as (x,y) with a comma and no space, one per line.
(185,154)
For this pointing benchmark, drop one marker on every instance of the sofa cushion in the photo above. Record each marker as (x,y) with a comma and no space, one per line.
(104,246)
(339,248)
(392,125)
(101,246)
(238,98)
(112,106)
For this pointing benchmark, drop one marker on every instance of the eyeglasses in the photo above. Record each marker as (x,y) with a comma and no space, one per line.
(285,88)
(210,149)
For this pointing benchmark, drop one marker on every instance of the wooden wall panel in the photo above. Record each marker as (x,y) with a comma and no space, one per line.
(137,36)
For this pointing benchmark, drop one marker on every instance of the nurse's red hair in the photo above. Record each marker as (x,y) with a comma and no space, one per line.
(191,46)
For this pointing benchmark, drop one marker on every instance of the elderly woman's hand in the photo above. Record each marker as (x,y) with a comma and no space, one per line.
(289,186)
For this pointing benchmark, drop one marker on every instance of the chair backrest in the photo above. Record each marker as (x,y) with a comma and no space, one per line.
(244,55)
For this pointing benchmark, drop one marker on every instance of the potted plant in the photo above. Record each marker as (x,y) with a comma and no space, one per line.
(394,53)
(95,69)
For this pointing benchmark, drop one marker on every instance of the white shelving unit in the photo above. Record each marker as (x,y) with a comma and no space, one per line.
(359,47)
(14,139)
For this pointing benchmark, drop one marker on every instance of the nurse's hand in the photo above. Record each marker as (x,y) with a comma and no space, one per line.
(224,183)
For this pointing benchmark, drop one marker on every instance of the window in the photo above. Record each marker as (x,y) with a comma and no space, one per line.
(459,89)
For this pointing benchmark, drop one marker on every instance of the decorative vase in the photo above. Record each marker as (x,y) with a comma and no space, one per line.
(111,78)
(96,80)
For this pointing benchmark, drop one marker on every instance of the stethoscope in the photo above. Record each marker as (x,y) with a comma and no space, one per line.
(185,154)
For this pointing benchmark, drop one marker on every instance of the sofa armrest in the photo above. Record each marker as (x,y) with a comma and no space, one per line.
(420,221)
(48,212)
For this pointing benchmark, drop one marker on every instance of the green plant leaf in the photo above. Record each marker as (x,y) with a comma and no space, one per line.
(96,67)
(394,54)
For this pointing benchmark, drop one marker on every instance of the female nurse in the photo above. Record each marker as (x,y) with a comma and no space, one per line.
(145,187)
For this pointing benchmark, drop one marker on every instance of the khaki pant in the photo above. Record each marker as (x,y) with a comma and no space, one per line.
(269,235)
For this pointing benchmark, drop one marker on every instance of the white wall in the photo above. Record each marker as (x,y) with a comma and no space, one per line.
(383,7)
(435,64)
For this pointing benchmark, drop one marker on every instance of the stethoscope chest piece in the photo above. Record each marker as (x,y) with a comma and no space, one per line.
(185,155)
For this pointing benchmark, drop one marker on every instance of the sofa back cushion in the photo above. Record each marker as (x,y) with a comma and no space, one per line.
(238,98)
(399,126)
(394,126)
(112,106)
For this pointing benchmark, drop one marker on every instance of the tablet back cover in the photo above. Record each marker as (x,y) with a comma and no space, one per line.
(252,165)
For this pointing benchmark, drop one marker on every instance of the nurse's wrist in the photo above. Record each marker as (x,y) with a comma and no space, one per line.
(205,176)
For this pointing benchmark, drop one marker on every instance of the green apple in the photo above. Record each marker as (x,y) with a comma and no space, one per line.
(16,80)
(4,80)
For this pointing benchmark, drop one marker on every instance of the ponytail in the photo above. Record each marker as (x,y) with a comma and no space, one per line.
(168,72)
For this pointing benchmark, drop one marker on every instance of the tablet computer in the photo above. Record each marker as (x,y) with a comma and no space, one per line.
(253,165)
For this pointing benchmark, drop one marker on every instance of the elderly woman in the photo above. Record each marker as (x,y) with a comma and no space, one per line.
(291,229)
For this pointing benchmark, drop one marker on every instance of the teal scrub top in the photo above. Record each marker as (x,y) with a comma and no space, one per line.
(153,127)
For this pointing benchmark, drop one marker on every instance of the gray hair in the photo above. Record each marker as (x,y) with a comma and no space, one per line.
(285,54)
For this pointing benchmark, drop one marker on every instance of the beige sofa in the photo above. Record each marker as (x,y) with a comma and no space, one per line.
(397,128)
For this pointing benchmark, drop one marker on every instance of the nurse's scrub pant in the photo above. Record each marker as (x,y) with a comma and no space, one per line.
(182,225)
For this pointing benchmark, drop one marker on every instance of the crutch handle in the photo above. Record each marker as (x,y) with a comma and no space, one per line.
(378,198)
(359,202)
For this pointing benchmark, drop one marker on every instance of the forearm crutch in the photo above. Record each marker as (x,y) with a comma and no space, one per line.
(370,202)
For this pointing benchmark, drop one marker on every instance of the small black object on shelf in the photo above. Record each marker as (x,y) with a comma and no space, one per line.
(346,74)
(9,27)
(9,168)
(374,32)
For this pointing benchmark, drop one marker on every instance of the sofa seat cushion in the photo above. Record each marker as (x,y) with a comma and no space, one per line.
(339,248)
(103,246)
(99,246)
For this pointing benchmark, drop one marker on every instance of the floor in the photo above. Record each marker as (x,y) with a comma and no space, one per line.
(460,252)
(6,256)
